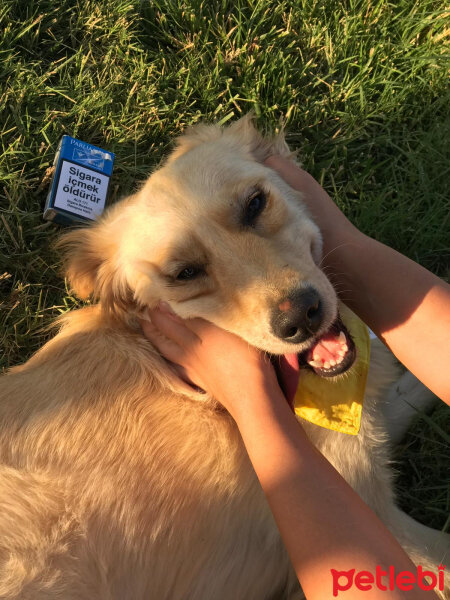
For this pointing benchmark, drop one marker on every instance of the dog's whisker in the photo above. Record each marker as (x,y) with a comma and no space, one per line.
(333,250)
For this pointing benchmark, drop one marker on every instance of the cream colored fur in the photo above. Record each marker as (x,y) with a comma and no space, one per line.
(114,485)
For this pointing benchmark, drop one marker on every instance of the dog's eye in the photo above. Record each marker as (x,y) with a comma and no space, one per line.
(190,272)
(254,207)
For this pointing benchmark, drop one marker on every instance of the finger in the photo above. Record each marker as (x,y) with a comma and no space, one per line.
(208,332)
(200,327)
(184,377)
(182,381)
(173,328)
(167,347)
(294,175)
(170,351)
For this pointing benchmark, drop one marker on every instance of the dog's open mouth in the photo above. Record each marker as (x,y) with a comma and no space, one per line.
(330,355)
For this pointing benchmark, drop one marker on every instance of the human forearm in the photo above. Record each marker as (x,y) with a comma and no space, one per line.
(404,304)
(323,522)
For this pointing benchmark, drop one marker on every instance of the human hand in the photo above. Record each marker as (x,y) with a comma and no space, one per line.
(236,374)
(335,227)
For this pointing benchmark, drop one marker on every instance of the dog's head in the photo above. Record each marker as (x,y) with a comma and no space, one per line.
(217,235)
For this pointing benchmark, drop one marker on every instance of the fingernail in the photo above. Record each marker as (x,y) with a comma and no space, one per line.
(165,307)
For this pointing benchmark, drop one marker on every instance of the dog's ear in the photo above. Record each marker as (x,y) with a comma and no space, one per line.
(193,137)
(83,258)
(243,132)
(90,265)
(259,146)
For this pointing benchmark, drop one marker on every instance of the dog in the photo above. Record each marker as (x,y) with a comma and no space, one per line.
(115,484)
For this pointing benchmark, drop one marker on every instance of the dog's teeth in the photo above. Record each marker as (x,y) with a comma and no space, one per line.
(317,358)
(332,363)
(315,363)
(342,338)
(341,353)
(339,360)
(326,365)
(344,347)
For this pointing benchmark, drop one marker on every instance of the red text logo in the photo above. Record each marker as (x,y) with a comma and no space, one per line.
(388,580)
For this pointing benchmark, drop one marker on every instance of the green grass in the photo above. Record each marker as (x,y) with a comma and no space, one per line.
(423,460)
(362,87)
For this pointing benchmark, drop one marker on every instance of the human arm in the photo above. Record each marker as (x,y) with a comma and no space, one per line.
(404,304)
(323,522)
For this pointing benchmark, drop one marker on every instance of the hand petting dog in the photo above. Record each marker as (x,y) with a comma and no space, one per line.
(215,360)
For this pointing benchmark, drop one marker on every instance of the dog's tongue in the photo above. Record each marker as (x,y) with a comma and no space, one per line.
(330,347)
(288,374)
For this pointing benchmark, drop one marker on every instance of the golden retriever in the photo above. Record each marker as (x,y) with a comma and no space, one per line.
(117,485)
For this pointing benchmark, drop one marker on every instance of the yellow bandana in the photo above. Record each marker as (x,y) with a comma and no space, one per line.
(336,403)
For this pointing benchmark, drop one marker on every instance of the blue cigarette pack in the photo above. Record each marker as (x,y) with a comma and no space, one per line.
(80,182)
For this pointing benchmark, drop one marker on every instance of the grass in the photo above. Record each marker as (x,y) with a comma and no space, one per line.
(361,84)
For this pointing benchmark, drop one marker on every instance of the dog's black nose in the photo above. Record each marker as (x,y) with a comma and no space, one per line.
(298,316)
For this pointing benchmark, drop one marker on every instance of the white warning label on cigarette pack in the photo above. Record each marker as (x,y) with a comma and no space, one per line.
(81,190)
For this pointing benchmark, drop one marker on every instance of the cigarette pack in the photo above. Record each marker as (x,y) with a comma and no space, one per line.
(80,182)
